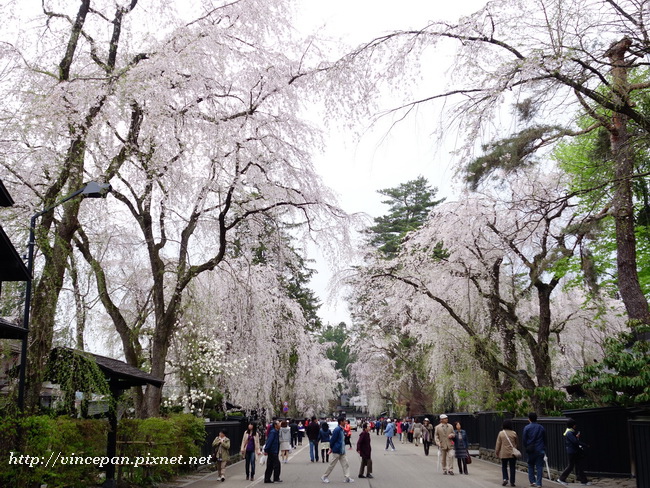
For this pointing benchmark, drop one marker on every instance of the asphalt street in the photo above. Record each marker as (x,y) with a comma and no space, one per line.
(406,467)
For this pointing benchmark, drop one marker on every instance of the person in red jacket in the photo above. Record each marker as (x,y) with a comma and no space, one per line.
(348,433)
(364,450)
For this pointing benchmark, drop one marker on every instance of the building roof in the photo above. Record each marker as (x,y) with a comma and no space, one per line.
(12,267)
(5,198)
(120,374)
(11,331)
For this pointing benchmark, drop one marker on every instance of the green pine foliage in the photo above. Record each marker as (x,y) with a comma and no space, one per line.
(409,206)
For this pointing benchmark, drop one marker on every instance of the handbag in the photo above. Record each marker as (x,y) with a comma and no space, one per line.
(515,452)
(263,460)
(468,460)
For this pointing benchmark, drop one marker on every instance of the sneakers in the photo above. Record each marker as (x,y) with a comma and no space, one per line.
(505,482)
(349,480)
(563,482)
(223,478)
(361,476)
(393,449)
(369,476)
(324,479)
(451,473)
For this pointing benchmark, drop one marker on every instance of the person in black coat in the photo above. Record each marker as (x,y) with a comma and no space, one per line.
(313,429)
(364,450)
(575,449)
(272,450)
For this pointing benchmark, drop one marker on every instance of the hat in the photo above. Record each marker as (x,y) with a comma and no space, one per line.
(387,420)
(426,420)
(443,416)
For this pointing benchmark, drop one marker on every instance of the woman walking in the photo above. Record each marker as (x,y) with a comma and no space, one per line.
(507,442)
(221,446)
(417,432)
(324,436)
(461,447)
(285,441)
(250,445)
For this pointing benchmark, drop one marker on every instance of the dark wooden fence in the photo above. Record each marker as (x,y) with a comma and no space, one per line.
(234,431)
(617,443)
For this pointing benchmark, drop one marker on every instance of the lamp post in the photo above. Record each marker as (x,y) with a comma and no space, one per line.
(91,189)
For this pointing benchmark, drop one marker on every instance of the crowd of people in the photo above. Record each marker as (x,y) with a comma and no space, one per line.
(451,440)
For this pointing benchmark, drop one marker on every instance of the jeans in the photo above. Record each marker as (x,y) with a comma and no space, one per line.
(509,463)
(536,463)
(250,463)
(313,450)
(389,442)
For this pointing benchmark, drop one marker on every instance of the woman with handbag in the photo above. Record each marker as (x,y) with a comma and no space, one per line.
(461,448)
(250,445)
(221,446)
(506,450)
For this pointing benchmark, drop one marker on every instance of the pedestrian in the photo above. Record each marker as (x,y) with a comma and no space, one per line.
(389,432)
(461,448)
(364,450)
(285,441)
(272,451)
(443,436)
(221,446)
(347,428)
(534,442)
(250,445)
(312,434)
(301,432)
(417,432)
(378,426)
(294,433)
(398,426)
(405,430)
(337,451)
(507,442)
(575,450)
(324,436)
(427,436)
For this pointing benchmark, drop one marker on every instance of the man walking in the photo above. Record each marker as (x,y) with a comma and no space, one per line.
(574,449)
(427,436)
(337,449)
(313,430)
(443,436)
(389,432)
(534,442)
(272,450)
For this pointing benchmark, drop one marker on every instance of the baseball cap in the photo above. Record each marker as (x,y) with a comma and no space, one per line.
(443,416)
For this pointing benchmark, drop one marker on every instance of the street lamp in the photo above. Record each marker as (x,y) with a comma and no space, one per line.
(91,189)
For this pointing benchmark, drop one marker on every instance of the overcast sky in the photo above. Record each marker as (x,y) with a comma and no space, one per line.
(355,170)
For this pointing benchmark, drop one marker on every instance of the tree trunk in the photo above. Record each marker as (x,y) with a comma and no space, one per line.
(628,279)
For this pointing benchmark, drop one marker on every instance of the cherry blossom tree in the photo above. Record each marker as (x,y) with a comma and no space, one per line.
(553,58)
(483,276)
(196,125)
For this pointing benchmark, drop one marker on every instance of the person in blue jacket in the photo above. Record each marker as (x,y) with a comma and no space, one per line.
(575,450)
(534,442)
(272,451)
(337,450)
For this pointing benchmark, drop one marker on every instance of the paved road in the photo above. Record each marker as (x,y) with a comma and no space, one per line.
(407,467)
